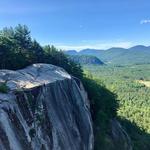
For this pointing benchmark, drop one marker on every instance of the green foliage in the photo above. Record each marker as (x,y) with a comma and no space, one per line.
(103,107)
(102,100)
(53,56)
(18,50)
(31,102)
(36,109)
(32,133)
(3,88)
(15,47)
(140,138)
(133,98)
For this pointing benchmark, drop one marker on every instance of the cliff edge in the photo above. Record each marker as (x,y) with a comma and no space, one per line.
(43,108)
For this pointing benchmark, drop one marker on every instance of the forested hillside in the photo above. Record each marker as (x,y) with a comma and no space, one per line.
(85,60)
(133,97)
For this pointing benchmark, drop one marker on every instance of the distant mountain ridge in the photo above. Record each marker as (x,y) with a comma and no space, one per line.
(86,59)
(135,55)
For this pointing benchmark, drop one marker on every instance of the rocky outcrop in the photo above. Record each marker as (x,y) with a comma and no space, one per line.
(43,108)
(85,60)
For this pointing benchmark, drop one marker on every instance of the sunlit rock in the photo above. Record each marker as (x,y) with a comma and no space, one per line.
(44,109)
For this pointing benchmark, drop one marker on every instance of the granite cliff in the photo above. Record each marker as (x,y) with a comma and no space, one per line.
(44,108)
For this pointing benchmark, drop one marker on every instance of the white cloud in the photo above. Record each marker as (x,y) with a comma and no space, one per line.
(102,45)
(145,21)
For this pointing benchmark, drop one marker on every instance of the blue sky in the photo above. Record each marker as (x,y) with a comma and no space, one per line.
(79,24)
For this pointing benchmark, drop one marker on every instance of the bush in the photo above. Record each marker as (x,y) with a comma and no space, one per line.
(3,88)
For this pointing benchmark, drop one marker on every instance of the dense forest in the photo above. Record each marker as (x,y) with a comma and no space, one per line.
(18,50)
(127,82)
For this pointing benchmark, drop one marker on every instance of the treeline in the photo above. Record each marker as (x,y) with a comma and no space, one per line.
(18,50)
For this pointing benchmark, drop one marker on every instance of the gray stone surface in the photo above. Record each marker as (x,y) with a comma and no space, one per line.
(44,109)
(120,137)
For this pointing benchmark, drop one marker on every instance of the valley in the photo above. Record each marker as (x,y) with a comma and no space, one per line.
(114,97)
(75,75)
(133,97)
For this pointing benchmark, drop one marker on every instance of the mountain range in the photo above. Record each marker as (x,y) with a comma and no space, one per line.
(135,55)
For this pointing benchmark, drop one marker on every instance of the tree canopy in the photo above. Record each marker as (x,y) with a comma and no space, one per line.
(18,50)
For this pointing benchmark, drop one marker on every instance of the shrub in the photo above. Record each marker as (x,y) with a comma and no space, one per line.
(3,88)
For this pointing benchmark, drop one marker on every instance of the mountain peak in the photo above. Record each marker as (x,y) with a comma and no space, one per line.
(138,47)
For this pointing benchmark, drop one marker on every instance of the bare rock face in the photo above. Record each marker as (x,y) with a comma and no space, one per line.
(120,137)
(43,109)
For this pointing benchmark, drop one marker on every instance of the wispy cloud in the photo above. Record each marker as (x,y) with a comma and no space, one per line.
(104,45)
(145,21)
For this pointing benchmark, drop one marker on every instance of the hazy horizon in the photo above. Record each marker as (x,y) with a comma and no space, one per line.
(107,48)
